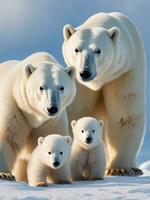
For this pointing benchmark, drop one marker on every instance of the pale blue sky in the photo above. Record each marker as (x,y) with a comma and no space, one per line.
(28,26)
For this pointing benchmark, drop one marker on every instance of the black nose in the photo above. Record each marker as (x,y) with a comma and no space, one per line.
(56,164)
(88,140)
(52,110)
(85,74)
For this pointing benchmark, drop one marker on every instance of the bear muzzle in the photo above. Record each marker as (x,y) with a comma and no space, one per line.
(52,110)
(56,163)
(88,140)
(85,75)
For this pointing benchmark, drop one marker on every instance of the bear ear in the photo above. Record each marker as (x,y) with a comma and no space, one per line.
(101,123)
(68,139)
(68,30)
(70,71)
(40,140)
(29,69)
(114,33)
(73,123)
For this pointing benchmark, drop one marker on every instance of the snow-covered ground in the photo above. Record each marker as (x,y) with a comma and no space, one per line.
(115,188)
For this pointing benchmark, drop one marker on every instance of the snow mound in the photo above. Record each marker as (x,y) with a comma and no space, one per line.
(145,165)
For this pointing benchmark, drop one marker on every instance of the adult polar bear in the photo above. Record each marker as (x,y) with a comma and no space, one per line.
(109,57)
(32,92)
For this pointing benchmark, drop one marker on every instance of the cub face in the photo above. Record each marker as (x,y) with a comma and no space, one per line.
(87,132)
(54,150)
(49,87)
(91,51)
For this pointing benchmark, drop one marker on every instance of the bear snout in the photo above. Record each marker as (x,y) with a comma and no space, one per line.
(85,74)
(56,163)
(88,140)
(52,109)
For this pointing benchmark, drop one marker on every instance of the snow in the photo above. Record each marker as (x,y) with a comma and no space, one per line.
(114,188)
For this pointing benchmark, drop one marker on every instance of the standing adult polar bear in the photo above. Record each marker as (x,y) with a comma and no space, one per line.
(34,92)
(109,57)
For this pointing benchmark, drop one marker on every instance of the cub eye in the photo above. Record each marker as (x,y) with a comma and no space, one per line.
(97,51)
(61,153)
(93,131)
(77,50)
(61,88)
(49,153)
(41,88)
(82,131)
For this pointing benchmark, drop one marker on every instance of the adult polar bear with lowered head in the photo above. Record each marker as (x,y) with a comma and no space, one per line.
(109,57)
(34,91)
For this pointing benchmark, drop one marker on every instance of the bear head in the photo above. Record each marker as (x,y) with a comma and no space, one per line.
(49,88)
(87,132)
(92,52)
(54,150)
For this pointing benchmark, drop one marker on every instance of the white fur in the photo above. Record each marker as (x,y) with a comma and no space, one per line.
(50,149)
(87,159)
(24,105)
(116,90)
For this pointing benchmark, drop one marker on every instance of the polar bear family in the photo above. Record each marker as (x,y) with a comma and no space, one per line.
(39,97)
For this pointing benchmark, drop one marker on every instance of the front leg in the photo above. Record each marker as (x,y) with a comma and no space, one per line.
(13,133)
(61,176)
(97,163)
(126,116)
(76,170)
(36,173)
(7,159)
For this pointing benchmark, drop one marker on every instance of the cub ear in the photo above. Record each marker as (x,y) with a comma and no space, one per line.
(40,140)
(68,30)
(114,33)
(73,123)
(101,123)
(68,139)
(29,69)
(70,71)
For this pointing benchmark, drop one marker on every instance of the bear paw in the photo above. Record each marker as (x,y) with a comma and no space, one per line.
(120,172)
(41,184)
(124,172)
(137,171)
(7,176)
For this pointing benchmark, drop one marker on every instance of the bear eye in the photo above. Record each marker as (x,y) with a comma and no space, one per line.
(61,153)
(82,131)
(93,131)
(49,153)
(97,51)
(77,50)
(61,88)
(41,88)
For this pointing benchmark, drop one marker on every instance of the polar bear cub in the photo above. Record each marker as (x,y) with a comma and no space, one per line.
(87,155)
(50,158)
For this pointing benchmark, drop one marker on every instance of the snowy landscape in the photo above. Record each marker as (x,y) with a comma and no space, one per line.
(114,188)
(34,31)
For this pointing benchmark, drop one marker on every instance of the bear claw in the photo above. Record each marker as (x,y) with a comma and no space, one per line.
(137,171)
(124,172)
(41,184)
(7,176)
